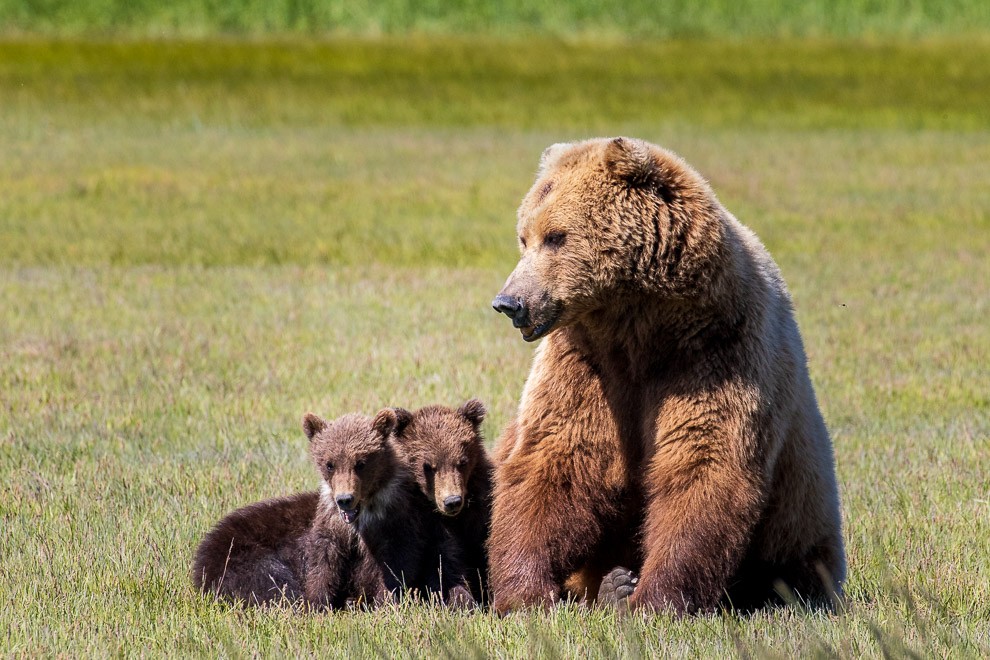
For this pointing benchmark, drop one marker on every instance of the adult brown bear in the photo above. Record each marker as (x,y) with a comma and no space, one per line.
(668,421)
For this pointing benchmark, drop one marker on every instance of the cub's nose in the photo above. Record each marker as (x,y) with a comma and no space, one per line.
(508,305)
(452,503)
(345,500)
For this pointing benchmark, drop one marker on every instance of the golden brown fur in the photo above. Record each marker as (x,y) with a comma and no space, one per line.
(668,421)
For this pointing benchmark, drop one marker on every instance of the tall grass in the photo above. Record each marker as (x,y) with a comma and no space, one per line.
(612,18)
(541,84)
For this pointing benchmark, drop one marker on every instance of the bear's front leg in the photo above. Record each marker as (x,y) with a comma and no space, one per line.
(449,580)
(326,563)
(543,528)
(562,478)
(705,488)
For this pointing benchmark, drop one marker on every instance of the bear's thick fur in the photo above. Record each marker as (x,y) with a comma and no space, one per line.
(668,422)
(255,553)
(444,449)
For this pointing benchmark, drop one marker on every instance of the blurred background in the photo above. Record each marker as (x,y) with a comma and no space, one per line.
(215,216)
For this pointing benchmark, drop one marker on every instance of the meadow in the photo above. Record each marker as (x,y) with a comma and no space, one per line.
(595,18)
(202,240)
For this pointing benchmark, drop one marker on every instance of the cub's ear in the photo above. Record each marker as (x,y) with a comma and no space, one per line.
(313,424)
(474,411)
(391,421)
(550,154)
(630,161)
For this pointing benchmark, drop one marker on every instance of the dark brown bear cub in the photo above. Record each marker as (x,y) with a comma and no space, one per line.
(255,553)
(373,536)
(444,449)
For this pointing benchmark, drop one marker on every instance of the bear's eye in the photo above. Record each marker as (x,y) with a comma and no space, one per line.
(359,466)
(554,239)
(329,466)
(427,469)
(461,464)
(522,242)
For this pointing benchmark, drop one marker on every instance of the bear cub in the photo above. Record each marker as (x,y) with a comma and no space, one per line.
(444,449)
(255,553)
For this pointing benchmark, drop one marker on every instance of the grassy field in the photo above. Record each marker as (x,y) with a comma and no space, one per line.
(622,18)
(200,241)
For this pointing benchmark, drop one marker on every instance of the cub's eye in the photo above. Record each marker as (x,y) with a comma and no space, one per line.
(554,239)
(329,466)
(461,464)
(428,469)
(522,242)
(359,466)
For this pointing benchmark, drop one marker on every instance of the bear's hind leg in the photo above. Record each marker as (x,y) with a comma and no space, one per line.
(616,588)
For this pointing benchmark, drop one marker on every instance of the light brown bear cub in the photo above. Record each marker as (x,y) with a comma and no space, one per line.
(370,536)
(669,412)
(444,449)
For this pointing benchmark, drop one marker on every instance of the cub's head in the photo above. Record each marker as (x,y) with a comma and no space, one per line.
(354,456)
(603,218)
(442,447)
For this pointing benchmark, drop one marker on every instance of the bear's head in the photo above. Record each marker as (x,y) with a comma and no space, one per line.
(442,447)
(355,457)
(606,218)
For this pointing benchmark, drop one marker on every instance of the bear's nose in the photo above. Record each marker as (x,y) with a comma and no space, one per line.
(452,503)
(345,500)
(508,305)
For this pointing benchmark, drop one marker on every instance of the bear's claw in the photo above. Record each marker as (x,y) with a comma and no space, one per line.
(617,587)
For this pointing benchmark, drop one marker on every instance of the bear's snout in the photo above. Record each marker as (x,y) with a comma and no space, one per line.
(532,323)
(347,506)
(512,307)
(452,504)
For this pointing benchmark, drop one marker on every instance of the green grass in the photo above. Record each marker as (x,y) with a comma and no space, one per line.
(201,241)
(338,146)
(639,18)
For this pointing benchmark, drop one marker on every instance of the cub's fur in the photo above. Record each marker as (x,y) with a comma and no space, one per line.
(373,536)
(366,536)
(444,449)
(255,553)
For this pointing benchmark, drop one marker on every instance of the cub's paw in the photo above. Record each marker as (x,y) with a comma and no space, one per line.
(616,588)
(460,598)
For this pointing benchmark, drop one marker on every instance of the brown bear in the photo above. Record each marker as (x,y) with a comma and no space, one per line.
(668,420)
(255,553)
(367,536)
(444,449)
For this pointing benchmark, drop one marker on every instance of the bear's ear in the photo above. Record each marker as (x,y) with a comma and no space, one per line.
(313,424)
(474,411)
(391,421)
(630,161)
(550,154)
